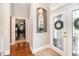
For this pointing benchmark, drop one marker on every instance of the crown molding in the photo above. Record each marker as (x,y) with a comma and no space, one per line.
(60,6)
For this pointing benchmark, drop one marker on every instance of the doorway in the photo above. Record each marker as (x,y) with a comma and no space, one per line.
(20,29)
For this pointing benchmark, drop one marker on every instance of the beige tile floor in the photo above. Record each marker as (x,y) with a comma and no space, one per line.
(46,52)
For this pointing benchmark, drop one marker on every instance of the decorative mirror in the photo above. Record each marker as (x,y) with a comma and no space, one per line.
(41,20)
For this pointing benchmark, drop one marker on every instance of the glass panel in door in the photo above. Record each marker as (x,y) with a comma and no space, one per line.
(75,40)
(58,32)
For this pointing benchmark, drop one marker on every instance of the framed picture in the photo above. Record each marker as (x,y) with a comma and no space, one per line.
(41,20)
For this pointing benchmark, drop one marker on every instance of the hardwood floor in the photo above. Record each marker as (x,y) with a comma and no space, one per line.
(23,49)
(20,49)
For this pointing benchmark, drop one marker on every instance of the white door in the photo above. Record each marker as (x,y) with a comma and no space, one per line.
(59,34)
(75,33)
(72,30)
(65,31)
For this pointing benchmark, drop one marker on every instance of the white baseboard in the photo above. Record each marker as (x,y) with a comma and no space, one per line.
(40,48)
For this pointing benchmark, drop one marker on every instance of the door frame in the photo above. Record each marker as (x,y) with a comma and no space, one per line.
(70,27)
(12,33)
(64,41)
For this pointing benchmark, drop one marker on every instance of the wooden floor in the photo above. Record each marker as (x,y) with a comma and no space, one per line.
(20,49)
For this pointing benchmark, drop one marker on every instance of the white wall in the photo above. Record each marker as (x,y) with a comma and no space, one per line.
(30,32)
(5,28)
(20,10)
(0,28)
(39,39)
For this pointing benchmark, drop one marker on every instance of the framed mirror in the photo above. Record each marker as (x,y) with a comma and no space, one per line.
(41,20)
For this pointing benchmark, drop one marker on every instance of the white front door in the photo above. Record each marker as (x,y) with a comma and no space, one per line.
(75,33)
(65,30)
(59,34)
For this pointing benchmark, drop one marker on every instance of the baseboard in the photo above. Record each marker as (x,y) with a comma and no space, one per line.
(40,48)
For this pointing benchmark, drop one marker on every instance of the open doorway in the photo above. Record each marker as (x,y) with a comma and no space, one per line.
(20,29)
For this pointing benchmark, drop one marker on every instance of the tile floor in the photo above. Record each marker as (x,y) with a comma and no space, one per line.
(46,52)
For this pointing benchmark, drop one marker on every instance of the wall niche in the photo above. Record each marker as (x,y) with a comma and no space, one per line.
(41,20)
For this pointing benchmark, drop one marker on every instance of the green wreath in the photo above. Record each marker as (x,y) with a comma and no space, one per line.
(76,23)
(58,25)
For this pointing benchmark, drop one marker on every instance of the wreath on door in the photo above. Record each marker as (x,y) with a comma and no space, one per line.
(58,25)
(76,23)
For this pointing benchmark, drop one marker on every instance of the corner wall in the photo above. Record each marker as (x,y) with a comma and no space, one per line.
(39,39)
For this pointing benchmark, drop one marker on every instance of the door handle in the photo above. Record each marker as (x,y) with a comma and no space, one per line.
(65,34)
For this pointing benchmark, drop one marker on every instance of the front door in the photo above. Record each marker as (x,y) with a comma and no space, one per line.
(66,31)
(75,33)
(59,34)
